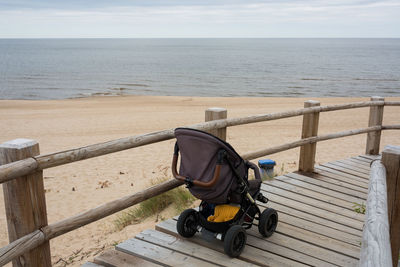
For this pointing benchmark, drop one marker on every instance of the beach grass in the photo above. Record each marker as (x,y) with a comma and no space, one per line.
(179,197)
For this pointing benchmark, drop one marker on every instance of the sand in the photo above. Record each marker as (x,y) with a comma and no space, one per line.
(64,124)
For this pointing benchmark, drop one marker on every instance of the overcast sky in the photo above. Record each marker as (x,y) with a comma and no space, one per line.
(207,18)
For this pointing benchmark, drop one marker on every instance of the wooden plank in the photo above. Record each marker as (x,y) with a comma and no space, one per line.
(313,218)
(371,157)
(159,255)
(321,204)
(322,183)
(327,177)
(345,170)
(91,264)
(365,163)
(290,253)
(309,129)
(25,202)
(348,169)
(328,192)
(283,245)
(189,248)
(319,229)
(350,166)
(362,165)
(359,158)
(313,251)
(356,224)
(257,251)
(338,175)
(319,240)
(114,258)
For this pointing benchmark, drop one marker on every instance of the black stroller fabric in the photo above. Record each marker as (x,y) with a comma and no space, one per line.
(199,153)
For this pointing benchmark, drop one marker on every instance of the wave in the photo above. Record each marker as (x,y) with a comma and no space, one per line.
(134,84)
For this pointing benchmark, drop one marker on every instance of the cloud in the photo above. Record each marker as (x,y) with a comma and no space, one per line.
(287,18)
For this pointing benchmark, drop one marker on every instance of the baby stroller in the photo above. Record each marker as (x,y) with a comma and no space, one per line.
(215,173)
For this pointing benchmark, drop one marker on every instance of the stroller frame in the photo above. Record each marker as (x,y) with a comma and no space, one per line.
(231,232)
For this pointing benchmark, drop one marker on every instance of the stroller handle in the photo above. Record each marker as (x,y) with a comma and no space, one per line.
(191,180)
(255,169)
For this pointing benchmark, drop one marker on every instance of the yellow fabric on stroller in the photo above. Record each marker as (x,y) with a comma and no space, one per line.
(223,213)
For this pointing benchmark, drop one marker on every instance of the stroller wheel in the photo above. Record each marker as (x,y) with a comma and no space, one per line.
(268,222)
(187,223)
(235,241)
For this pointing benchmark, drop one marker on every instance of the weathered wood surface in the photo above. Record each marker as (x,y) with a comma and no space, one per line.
(375,250)
(21,246)
(213,114)
(114,258)
(317,227)
(391,161)
(375,119)
(25,204)
(306,141)
(392,103)
(8,172)
(91,264)
(309,129)
(391,127)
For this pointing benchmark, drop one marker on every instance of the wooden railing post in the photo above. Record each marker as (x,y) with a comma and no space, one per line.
(391,161)
(24,201)
(217,114)
(375,119)
(310,128)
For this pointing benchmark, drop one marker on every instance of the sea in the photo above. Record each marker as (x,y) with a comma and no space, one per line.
(74,68)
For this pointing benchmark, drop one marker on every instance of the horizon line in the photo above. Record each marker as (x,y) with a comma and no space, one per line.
(200,37)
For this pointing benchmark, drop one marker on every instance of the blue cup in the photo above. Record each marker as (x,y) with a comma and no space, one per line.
(266,168)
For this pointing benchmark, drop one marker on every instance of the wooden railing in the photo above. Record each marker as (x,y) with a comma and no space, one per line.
(381,233)
(21,172)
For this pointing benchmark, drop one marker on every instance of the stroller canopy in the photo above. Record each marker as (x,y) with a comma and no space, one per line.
(199,156)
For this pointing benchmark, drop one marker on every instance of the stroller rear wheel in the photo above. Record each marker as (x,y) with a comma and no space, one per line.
(187,223)
(268,222)
(235,241)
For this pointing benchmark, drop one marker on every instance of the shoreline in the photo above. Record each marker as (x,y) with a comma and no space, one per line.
(110,95)
(70,123)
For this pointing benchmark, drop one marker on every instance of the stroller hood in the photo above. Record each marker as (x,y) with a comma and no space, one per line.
(199,152)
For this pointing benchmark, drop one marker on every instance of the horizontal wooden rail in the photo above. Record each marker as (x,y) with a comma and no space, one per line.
(306,141)
(392,103)
(21,246)
(27,166)
(375,247)
(391,127)
(35,239)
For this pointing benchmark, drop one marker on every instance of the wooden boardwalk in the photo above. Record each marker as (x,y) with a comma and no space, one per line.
(318,226)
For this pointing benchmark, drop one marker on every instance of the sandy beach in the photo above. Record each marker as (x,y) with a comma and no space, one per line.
(64,124)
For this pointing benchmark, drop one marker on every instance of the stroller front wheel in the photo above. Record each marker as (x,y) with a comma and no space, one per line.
(268,222)
(235,241)
(187,223)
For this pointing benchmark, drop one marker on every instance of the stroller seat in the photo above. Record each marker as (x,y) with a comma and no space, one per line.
(215,173)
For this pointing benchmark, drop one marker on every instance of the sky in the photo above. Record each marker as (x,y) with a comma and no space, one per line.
(200,19)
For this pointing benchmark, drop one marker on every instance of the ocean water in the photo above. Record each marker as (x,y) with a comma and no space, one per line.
(69,68)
